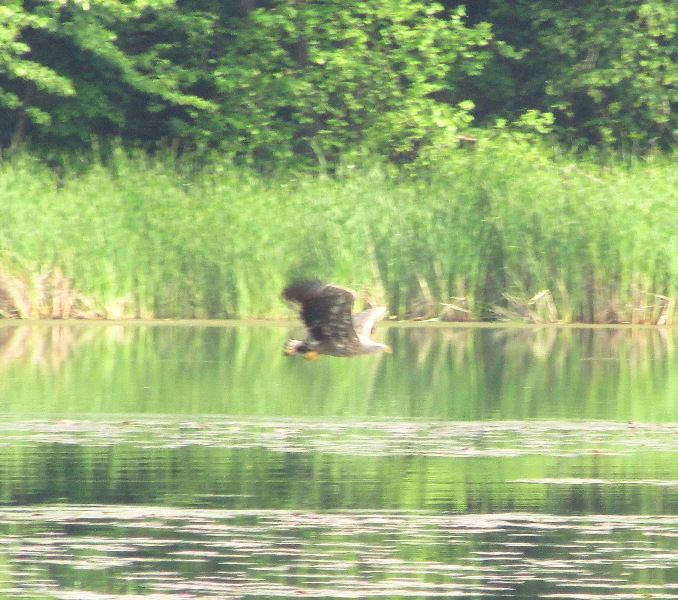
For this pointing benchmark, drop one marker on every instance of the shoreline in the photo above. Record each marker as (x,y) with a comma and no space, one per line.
(404,324)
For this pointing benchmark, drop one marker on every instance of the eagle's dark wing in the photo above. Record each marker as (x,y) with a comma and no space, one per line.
(326,312)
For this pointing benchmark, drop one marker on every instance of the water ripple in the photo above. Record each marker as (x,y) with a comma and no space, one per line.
(165,552)
(359,438)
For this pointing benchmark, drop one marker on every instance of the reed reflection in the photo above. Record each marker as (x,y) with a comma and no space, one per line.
(438,372)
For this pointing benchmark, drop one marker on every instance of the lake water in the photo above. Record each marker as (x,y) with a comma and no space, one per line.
(180,461)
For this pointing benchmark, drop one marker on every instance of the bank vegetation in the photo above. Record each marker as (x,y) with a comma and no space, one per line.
(496,231)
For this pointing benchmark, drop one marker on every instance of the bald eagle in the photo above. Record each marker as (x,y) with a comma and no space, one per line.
(331,328)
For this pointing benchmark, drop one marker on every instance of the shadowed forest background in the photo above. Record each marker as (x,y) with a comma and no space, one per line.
(492,160)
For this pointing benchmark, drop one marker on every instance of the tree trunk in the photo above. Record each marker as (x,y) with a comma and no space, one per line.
(19,134)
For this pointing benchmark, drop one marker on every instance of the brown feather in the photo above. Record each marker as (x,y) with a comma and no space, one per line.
(326,312)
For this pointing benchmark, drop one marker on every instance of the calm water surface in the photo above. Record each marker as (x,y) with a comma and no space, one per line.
(176,462)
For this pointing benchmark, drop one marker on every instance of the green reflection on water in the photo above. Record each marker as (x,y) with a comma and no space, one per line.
(462,419)
(477,462)
(451,373)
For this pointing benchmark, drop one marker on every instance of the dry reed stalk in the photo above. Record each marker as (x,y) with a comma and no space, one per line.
(46,296)
(456,310)
(14,300)
(640,311)
(424,307)
(667,310)
(63,297)
(545,306)
(116,308)
(539,309)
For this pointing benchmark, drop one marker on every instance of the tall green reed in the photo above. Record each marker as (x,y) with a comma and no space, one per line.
(487,228)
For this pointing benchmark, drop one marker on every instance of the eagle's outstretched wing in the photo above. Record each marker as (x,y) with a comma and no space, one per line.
(332,329)
(363,322)
(326,312)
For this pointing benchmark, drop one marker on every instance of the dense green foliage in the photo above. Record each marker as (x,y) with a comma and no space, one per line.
(73,70)
(348,89)
(607,70)
(352,74)
(489,226)
(313,81)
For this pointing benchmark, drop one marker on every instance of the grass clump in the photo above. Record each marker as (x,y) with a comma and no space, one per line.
(514,233)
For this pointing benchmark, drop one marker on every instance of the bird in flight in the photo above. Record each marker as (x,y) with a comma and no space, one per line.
(326,310)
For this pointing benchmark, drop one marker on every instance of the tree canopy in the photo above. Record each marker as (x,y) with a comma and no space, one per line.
(315,80)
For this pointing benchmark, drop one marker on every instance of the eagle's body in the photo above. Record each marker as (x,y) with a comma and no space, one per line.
(326,310)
